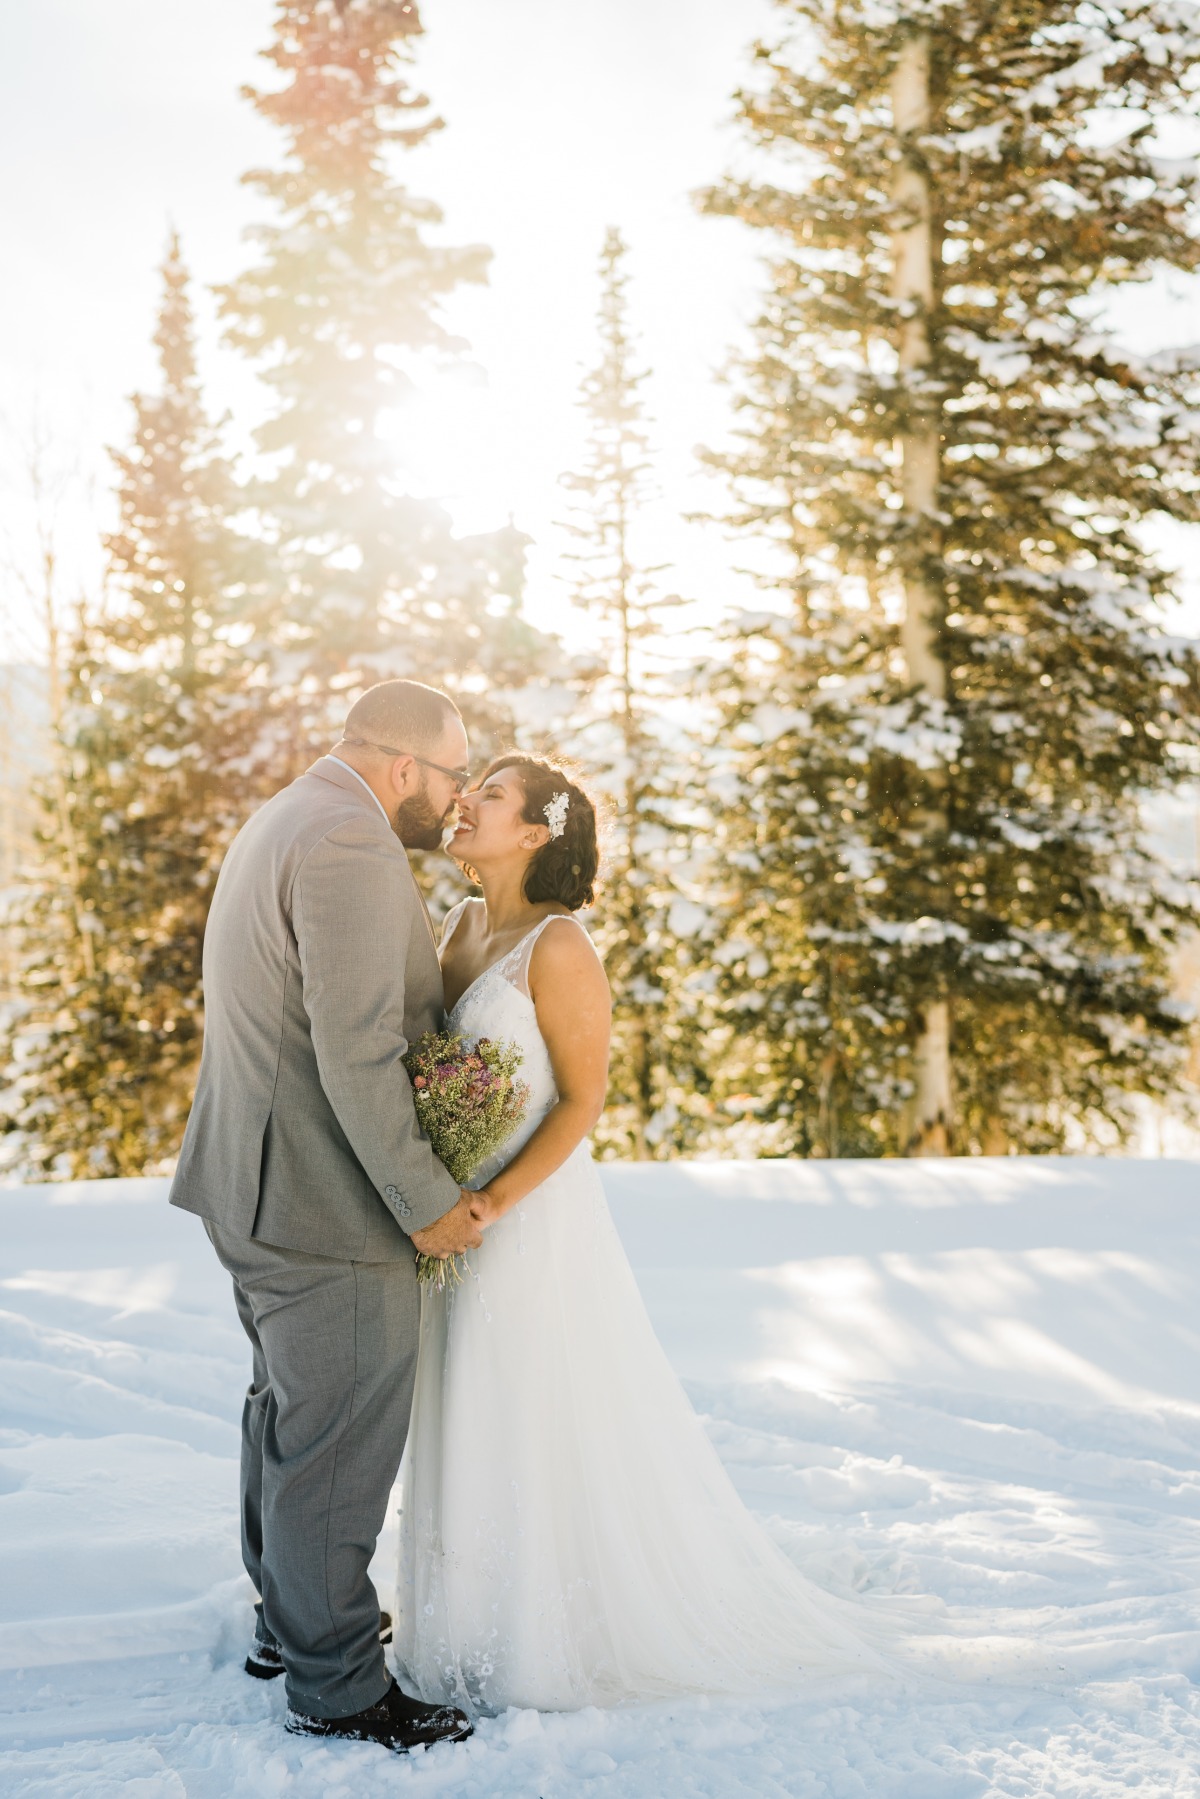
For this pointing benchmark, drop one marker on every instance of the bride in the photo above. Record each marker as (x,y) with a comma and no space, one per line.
(568,1536)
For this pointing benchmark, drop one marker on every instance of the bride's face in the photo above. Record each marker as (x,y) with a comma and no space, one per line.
(491,827)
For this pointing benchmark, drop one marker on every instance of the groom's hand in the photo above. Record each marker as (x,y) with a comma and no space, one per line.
(450,1234)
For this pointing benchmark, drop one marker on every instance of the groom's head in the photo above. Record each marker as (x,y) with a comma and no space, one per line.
(409,744)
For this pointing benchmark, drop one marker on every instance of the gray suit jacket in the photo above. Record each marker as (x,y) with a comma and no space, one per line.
(320,968)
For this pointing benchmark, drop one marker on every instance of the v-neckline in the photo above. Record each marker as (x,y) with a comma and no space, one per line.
(451,1010)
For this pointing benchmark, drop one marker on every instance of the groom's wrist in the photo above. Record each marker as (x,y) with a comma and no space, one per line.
(429,1200)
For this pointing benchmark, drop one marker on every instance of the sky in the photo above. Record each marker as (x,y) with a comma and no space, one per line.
(118,121)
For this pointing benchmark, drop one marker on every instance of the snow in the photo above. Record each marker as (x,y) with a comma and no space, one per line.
(925,733)
(985,140)
(1001,360)
(916,933)
(971,1381)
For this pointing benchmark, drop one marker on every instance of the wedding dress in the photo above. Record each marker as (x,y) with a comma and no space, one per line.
(568,1535)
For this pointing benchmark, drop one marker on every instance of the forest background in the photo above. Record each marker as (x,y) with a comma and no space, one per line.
(873,517)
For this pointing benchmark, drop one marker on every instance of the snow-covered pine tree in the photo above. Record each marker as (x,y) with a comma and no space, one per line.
(945,930)
(346,293)
(160,734)
(633,746)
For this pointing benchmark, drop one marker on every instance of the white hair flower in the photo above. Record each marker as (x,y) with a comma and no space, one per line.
(555,813)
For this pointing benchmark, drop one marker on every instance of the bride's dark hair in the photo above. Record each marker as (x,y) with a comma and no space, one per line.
(565,868)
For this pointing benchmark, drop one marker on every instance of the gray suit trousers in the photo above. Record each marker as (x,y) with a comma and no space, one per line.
(323,1429)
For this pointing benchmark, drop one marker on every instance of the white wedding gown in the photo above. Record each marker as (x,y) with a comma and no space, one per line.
(568,1535)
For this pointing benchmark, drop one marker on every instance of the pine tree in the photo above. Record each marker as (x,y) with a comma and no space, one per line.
(160,734)
(945,928)
(344,298)
(634,748)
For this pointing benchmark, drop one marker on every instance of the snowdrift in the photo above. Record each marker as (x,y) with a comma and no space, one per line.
(978,1382)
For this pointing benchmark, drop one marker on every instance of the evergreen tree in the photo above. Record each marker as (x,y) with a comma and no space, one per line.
(945,928)
(159,734)
(346,294)
(634,749)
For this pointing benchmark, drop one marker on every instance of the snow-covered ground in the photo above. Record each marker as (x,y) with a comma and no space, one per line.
(974,1381)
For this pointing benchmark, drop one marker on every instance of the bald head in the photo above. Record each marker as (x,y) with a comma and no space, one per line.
(409,744)
(403,715)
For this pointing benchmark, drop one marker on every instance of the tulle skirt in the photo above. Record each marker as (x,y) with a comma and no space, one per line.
(568,1535)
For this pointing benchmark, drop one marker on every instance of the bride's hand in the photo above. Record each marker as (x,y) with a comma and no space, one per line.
(483,1208)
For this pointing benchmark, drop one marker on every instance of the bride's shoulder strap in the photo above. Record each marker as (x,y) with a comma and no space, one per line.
(451,922)
(520,975)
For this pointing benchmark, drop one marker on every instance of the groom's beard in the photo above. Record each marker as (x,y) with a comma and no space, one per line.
(416,823)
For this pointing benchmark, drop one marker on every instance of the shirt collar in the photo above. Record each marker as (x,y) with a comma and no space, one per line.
(365,784)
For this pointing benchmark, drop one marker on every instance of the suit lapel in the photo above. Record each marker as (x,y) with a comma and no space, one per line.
(424,908)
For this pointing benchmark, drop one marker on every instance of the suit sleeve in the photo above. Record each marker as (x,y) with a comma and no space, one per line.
(353,910)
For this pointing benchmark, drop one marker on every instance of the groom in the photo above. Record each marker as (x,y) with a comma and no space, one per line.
(304,1158)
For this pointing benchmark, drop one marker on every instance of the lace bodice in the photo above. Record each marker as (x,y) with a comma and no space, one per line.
(498,1004)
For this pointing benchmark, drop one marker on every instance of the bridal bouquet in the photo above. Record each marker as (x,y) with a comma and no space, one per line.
(469,1101)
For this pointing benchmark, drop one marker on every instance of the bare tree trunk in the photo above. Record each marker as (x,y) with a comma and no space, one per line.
(8,830)
(40,581)
(827,1131)
(62,801)
(641,1059)
(996,1140)
(930,1114)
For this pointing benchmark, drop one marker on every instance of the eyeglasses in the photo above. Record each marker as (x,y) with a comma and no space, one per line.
(460,776)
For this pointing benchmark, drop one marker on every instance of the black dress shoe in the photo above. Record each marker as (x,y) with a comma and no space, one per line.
(396,1721)
(265,1662)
